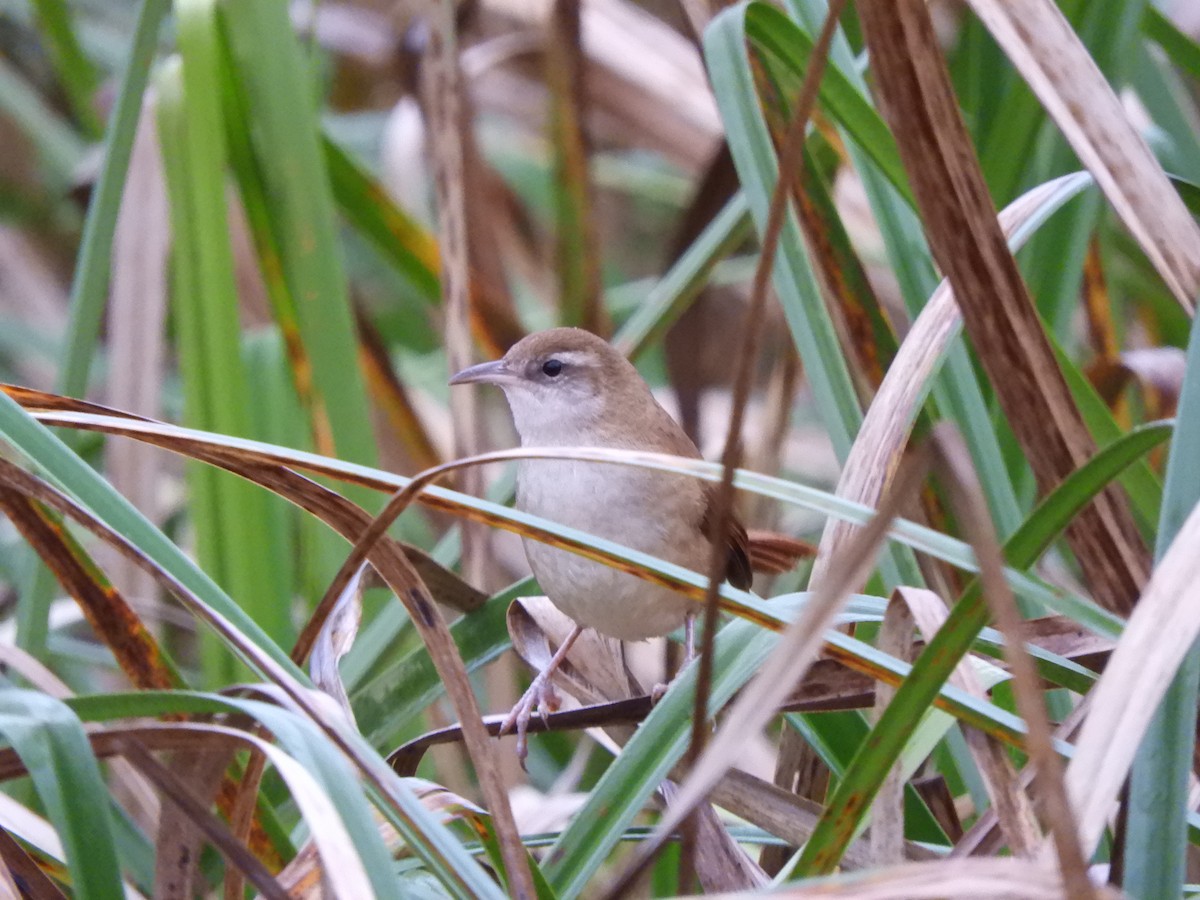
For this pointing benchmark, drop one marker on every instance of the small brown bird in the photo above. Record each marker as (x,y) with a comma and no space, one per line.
(569,388)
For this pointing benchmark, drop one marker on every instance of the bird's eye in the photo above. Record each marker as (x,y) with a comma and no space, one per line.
(552,367)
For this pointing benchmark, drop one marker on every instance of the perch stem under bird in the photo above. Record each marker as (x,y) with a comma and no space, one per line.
(569,388)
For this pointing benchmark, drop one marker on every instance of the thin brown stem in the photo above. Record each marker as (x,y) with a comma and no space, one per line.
(970,508)
(790,162)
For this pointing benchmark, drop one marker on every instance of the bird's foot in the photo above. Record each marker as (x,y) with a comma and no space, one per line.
(540,697)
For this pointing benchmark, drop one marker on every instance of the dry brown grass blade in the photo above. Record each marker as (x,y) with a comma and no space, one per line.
(445,106)
(887,811)
(968,245)
(1014,811)
(178,841)
(398,573)
(970,508)
(885,429)
(1164,625)
(335,640)
(963,879)
(406,584)
(1097,305)
(984,838)
(106,610)
(173,790)
(789,816)
(136,334)
(1039,41)
(18,868)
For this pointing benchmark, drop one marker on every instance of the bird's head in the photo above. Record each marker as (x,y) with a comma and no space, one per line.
(564,386)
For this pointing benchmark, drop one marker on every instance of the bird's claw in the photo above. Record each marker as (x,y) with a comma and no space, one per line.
(542,698)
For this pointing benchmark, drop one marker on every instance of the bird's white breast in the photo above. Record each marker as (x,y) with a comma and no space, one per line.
(654,512)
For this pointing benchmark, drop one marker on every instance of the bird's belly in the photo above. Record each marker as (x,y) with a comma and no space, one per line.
(647,511)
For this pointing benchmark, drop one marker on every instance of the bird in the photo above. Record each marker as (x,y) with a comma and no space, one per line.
(567,387)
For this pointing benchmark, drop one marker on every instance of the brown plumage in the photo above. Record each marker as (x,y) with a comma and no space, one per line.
(567,387)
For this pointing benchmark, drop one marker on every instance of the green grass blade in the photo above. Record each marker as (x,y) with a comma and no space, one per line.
(841,95)
(1156,838)
(269,64)
(400,239)
(232,530)
(812,330)
(426,836)
(76,74)
(917,537)
(668,299)
(89,286)
(65,469)
(391,699)
(851,801)
(51,742)
(1180,49)
(836,738)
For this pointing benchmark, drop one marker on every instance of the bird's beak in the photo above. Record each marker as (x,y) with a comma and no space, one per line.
(495,372)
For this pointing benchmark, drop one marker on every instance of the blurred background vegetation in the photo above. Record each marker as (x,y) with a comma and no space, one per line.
(288,223)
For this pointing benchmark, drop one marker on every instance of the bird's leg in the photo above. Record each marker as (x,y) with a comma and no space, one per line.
(540,696)
(689,653)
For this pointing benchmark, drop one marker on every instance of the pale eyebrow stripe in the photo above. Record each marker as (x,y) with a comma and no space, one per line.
(570,357)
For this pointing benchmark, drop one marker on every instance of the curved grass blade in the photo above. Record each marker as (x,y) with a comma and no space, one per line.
(94,494)
(114,621)
(396,695)
(854,653)
(51,742)
(852,799)
(235,451)
(430,840)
